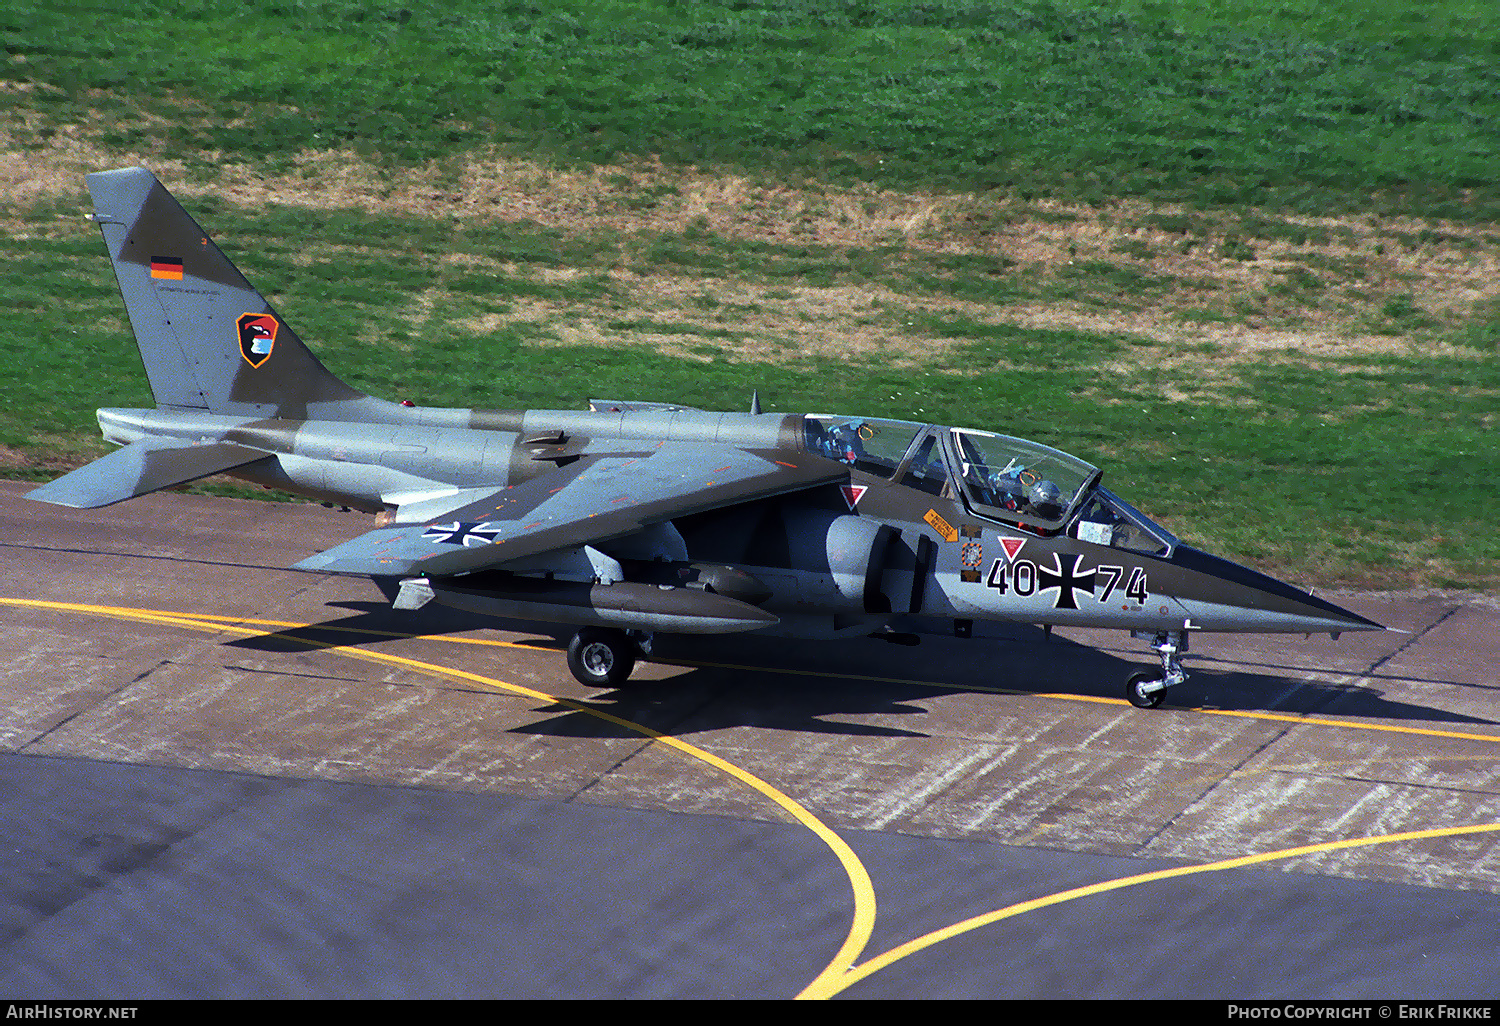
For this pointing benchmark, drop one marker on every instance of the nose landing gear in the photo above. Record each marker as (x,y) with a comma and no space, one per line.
(1146,690)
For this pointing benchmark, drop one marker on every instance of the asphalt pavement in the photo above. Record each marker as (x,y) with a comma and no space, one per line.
(313,796)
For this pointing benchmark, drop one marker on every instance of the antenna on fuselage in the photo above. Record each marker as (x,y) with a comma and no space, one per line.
(755,401)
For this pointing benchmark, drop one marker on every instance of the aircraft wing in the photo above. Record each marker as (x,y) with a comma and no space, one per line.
(595,499)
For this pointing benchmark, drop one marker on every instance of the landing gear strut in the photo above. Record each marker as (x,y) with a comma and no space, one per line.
(1146,690)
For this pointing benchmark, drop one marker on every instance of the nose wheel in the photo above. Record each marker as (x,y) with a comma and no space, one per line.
(1146,690)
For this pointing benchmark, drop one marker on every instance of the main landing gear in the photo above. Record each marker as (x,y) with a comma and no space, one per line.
(602,657)
(1146,690)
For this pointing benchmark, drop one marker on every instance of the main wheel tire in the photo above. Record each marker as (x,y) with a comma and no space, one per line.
(601,657)
(1143,700)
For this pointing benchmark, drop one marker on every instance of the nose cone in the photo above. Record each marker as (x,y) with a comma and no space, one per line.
(1220,595)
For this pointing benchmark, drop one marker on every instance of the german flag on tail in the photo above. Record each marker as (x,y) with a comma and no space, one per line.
(166,267)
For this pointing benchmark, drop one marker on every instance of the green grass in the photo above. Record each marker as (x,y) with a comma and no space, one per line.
(1307,106)
(1377,470)
(1370,469)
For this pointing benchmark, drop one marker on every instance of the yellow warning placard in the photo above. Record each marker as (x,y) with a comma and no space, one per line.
(941,526)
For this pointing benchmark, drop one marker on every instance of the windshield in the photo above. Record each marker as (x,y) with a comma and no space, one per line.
(874,446)
(1107,519)
(1017,480)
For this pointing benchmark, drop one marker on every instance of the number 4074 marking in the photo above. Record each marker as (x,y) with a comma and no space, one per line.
(1020,576)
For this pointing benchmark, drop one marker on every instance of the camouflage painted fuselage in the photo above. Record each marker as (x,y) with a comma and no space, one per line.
(639,515)
(834,558)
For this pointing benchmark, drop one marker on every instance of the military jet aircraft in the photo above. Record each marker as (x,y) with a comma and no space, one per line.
(633,518)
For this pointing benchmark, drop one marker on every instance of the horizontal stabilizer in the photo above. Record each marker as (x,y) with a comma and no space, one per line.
(140,467)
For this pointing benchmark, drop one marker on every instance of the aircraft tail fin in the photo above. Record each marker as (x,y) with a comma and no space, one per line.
(208,339)
(142,466)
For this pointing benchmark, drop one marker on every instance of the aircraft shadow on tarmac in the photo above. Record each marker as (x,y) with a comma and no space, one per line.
(796,685)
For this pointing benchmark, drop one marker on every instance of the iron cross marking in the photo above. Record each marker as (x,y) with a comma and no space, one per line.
(1063,578)
(459,532)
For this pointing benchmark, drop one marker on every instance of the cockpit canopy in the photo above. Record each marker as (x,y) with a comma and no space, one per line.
(865,443)
(996,476)
(1013,479)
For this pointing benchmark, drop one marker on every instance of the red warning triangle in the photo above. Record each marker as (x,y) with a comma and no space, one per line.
(1012,546)
(853,493)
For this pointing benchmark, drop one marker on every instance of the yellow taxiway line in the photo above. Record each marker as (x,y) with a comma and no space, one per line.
(841,972)
(826,988)
(1312,721)
(863,923)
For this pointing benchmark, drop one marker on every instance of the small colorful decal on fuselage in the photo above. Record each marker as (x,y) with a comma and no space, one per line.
(853,493)
(941,526)
(257,337)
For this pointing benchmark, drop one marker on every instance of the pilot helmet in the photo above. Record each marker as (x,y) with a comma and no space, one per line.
(1046,499)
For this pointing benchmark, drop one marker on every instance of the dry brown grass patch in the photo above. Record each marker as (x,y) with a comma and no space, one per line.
(1447,269)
